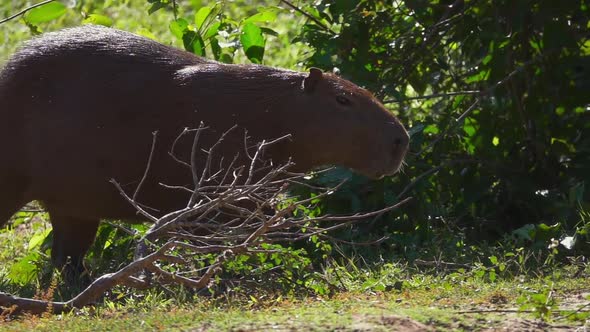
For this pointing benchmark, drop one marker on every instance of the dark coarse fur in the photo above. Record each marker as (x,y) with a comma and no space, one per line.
(78,107)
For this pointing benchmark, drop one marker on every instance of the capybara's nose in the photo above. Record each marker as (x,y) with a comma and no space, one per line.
(401,142)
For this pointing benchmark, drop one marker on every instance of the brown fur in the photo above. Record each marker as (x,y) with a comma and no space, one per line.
(78,108)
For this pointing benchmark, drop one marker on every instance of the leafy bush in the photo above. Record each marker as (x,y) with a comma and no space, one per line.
(495,96)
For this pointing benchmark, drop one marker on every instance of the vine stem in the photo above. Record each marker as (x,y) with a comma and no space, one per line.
(25,10)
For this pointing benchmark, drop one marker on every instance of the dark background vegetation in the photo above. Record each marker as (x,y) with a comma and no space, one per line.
(496,96)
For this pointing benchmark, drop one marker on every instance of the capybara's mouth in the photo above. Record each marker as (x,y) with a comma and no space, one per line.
(395,166)
(380,174)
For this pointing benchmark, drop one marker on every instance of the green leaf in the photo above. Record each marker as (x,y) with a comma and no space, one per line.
(212,31)
(470,126)
(98,20)
(492,275)
(479,273)
(493,260)
(458,100)
(545,232)
(38,238)
(215,49)
(201,16)
(379,287)
(45,13)
(313,11)
(495,141)
(107,244)
(194,43)
(178,27)
(416,129)
(266,15)
(431,129)
(269,31)
(155,7)
(560,110)
(226,58)
(481,76)
(23,271)
(253,42)
(526,232)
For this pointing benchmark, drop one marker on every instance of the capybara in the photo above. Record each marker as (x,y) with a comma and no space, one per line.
(78,107)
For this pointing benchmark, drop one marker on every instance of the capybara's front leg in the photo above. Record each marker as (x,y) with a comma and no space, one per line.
(72,236)
(12,196)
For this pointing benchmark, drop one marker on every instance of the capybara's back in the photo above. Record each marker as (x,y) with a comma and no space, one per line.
(78,107)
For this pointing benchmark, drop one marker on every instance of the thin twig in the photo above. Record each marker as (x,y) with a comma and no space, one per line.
(366,243)
(175,9)
(133,203)
(194,150)
(173,147)
(429,172)
(434,95)
(318,22)
(25,10)
(236,214)
(147,167)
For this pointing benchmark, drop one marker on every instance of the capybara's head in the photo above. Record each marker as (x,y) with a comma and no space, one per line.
(346,125)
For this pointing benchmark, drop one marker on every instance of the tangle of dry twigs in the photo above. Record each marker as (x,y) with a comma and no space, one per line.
(233,209)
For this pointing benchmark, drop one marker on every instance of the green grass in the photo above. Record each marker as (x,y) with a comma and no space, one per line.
(364,298)
(465,306)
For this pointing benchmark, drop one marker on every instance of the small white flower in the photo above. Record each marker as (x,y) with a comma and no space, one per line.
(568,242)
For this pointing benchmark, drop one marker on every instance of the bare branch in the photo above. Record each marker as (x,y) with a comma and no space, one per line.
(135,205)
(172,154)
(148,166)
(194,172)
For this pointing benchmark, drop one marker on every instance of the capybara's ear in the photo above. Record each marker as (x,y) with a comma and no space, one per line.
(312,79)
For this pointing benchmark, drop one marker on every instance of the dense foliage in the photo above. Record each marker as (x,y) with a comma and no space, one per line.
(500,130)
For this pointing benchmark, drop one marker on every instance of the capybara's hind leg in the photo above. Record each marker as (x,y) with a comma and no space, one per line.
(12,197)
(72,236)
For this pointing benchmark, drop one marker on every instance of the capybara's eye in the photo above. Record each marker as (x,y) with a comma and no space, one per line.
(343,100)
